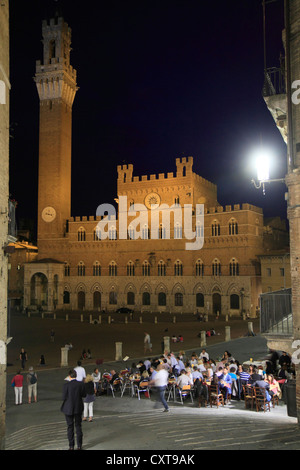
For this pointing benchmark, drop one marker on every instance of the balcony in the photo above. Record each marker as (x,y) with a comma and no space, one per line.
(274,94)
(276,319)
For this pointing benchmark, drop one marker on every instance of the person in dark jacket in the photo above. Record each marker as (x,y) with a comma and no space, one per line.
(72,407)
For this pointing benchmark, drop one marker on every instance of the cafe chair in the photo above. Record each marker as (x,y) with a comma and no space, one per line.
(215,396)
(142,387)
(249,395)
(261,400)
(184,392)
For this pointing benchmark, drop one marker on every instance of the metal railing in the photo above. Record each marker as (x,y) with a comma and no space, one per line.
(276,312)
(274,83)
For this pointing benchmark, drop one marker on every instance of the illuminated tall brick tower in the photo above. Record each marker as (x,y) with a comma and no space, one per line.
(56,84)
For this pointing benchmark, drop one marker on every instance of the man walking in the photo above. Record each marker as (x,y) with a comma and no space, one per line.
(147,343)
(72,407)
(160,381)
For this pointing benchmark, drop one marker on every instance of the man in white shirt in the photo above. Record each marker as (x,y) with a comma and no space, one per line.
(147,343)
(183,379)
(204,354)
(160,381)
(80,371)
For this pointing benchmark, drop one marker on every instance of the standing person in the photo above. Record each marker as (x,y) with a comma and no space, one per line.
(80,371)
(23,358)
(89,399)
(147,343)
(72,407)
(52,333)
(31,380)
(17,383)
(96,378)
(160,381)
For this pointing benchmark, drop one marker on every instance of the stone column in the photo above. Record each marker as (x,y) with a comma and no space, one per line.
(203,338)
(118,351)
(227,333)
(167,343)
(64,357)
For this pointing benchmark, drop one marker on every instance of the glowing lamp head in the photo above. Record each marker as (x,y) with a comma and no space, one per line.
(263,166)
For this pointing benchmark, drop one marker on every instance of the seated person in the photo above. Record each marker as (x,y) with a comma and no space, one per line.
(204,354)
(254,376)
(225,382)
(201,390)
(196,374)
(183,379)
(243,375)
(274,386)
(263,383)
(174,339)
(285,359)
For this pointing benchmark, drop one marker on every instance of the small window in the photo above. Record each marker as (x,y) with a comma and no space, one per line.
(112,268)
(146,298)
(281,270)
(96,269)
(269,272)
(146,268)
(161,268)
(178,299)
(162,299)
(81,234)
(178,270)
(81,269)
(130,268)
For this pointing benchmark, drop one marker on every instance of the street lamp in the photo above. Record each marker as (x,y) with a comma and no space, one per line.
(262,160)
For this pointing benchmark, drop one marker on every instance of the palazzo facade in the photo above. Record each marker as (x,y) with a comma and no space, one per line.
(143,269)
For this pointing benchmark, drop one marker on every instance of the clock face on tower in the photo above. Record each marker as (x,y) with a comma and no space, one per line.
(48,214)
(152,199)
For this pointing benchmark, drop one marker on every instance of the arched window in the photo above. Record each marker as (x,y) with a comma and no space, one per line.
(96,269)
(131,233)
(66,297)
(161,232)
(234,267)
(199,299)
(176,201)
(112,233)
(215,229)
(130,268)
(145,232)
(81,300)
(161,268)
(199,268)
(162,299)
(130,298)
(178,269)
(146,298)
(233,227)
(234,302)
(178,299)
(81,234)
(177,231)
(113,297)
(97,299)
(216,267)
(97,234)
(67,269)
(146,268)
(112,269)
(199,230)
(81,269)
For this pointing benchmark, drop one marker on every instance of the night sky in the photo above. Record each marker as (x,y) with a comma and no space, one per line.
(158,80)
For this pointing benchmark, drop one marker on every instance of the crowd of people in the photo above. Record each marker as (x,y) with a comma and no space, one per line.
(199,371)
